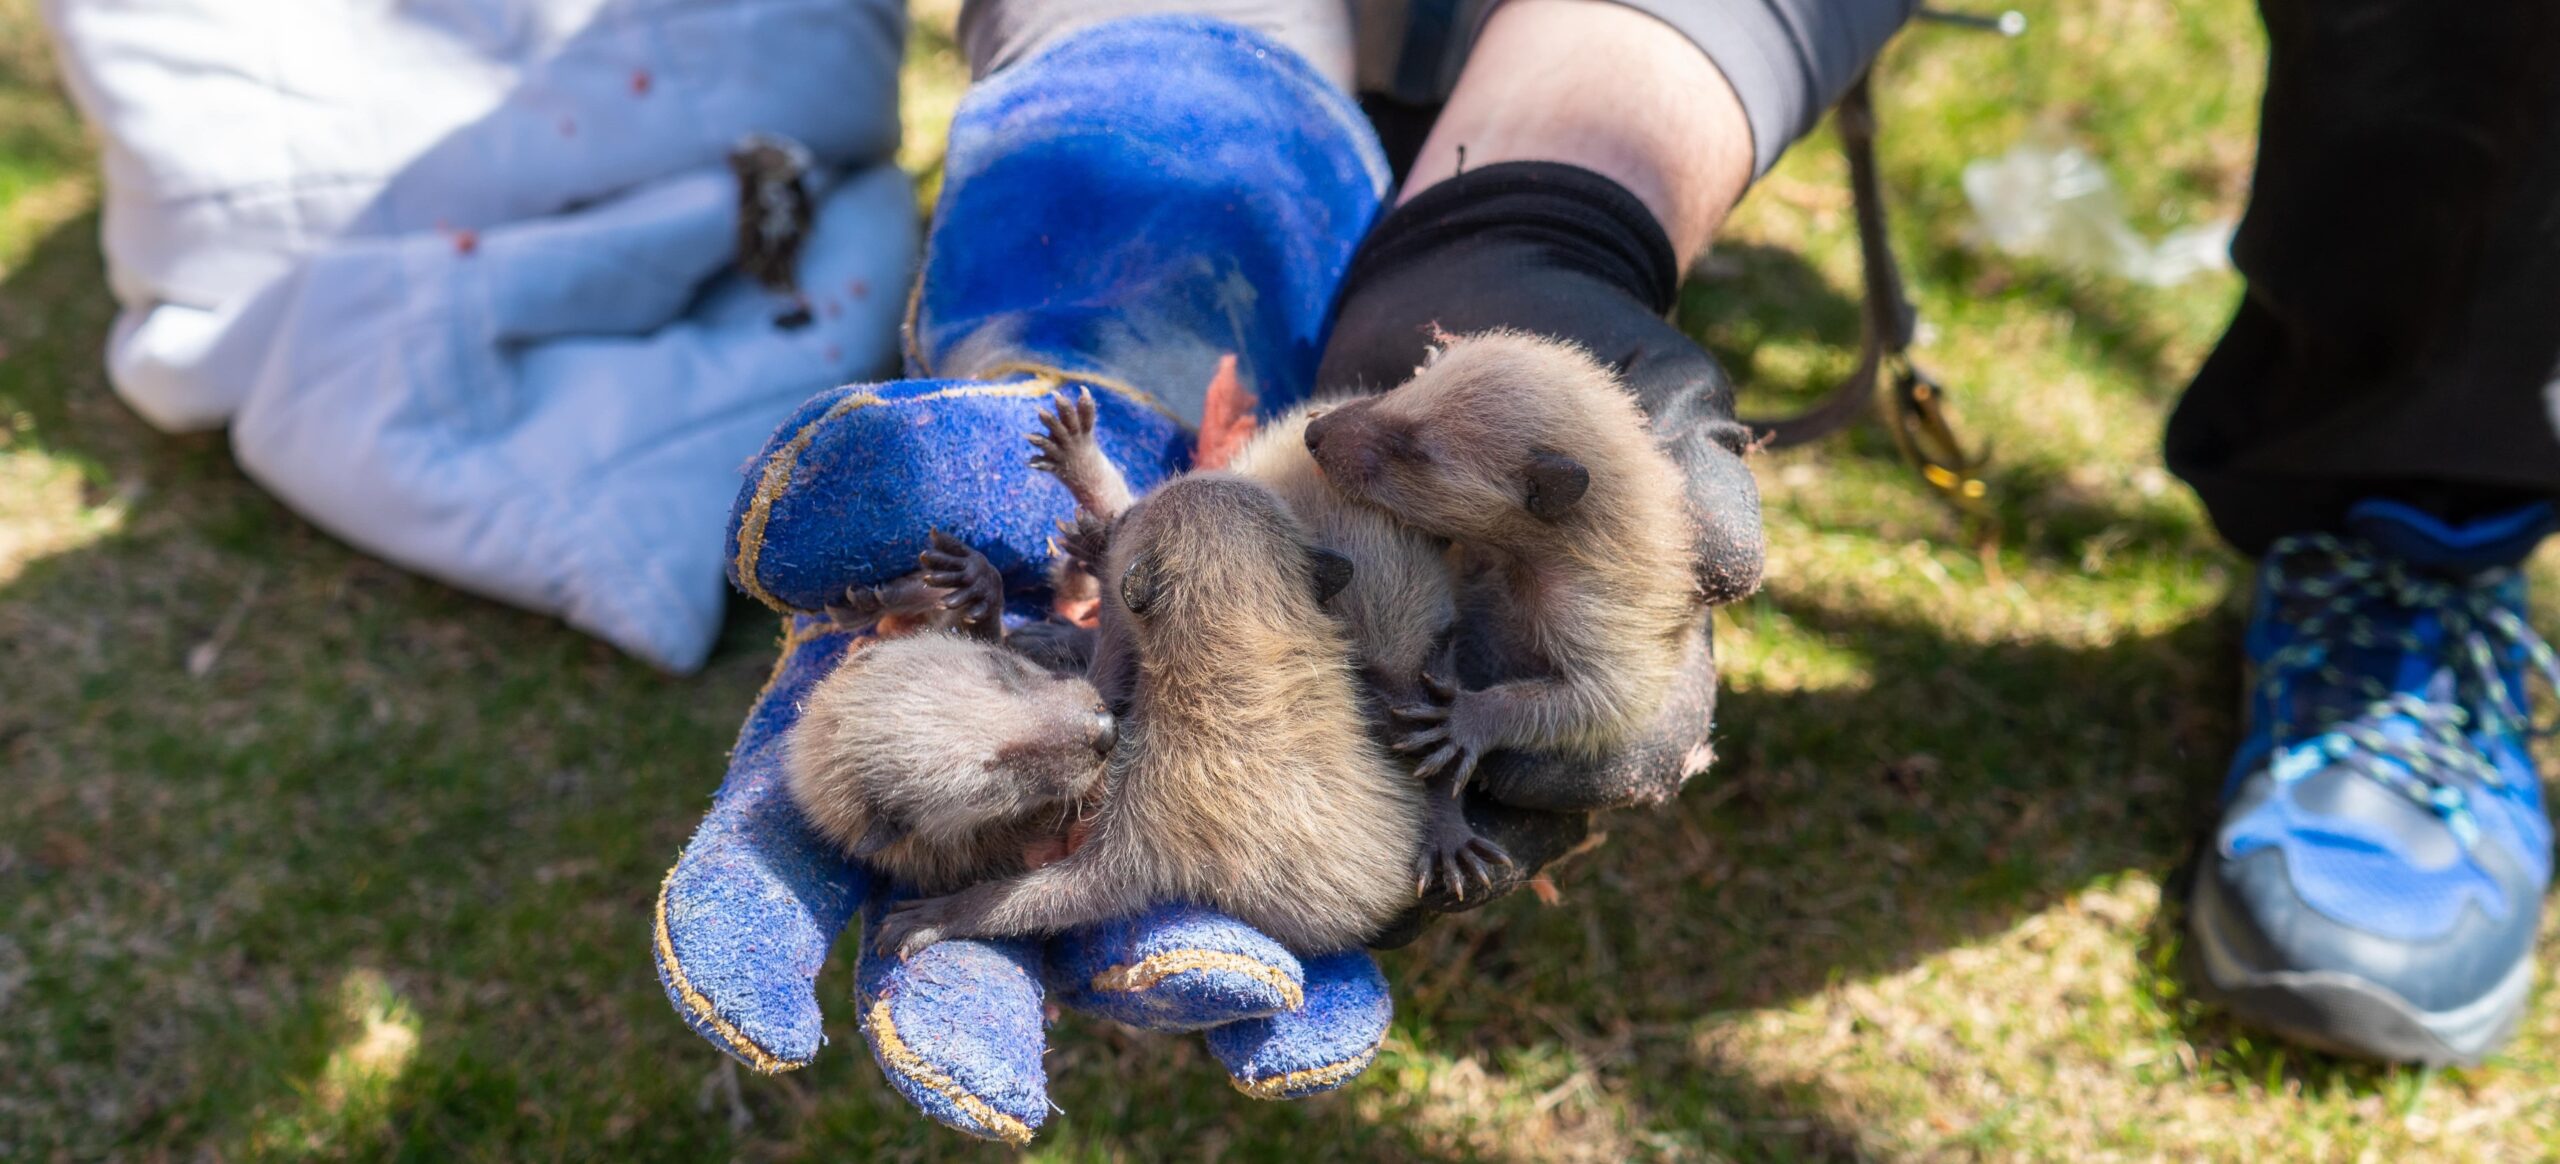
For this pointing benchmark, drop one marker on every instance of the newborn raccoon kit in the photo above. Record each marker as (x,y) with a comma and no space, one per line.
(1246,778)
(899,759)
(1399,610)
(1534,460)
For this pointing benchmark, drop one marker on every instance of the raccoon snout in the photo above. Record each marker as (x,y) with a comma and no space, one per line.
(1337,454)
(1103,733)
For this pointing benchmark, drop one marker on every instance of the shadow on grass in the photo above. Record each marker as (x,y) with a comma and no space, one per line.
(475,804)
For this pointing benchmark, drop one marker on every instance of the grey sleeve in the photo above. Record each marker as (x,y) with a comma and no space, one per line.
(1788,60)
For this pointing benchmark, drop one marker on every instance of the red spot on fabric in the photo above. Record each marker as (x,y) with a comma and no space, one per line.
(466,241)
(1226,417)
(834,354)
(640,82)
(831,309)
(861,288)
(568,127)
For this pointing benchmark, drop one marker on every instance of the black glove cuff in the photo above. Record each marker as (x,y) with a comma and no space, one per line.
(1527,214)
(1559,251)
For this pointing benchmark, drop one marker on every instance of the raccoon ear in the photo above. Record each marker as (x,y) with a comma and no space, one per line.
(1331,571)
(1139,584)
(1556,484)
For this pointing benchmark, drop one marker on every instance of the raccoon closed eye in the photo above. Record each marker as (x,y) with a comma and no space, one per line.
(1404,446)
(1011,673)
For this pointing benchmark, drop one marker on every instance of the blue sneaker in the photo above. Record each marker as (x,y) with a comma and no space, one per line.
(2377,880)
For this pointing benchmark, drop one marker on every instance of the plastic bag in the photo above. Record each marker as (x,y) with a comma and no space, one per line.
(2053,200)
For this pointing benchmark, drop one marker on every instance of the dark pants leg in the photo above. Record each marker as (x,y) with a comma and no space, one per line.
(2402,247)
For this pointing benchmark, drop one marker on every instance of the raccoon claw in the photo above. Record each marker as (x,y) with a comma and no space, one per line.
(1420,739)
(1425,724)
(1070,419)
(910,927)
(1480,858)
(1421,712)
(861,606)
(1448,754)
(1435,710)
(1459,866)
(977,591)
(1085,541)
(1067,431)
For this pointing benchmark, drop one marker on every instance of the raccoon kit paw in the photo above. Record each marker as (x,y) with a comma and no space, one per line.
(1068,438)
(910,926)
(1440,731)
(1456,860)
(1085,540)
(861,606)
(976,590)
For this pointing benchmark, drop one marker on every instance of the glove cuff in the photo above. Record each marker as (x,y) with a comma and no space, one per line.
(1553,214)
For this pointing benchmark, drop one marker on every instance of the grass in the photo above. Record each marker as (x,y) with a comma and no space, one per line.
(303,857)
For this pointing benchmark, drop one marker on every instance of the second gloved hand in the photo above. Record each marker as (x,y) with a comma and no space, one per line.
(1560,251)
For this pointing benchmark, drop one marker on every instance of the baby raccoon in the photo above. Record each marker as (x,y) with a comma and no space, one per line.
(945,760)
(1535,460)
(1246,778)
(1398,610)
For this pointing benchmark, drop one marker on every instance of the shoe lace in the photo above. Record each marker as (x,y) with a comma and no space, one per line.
(2345,592)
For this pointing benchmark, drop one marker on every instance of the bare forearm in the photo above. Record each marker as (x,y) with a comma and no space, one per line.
(1682,110)
(1607,88)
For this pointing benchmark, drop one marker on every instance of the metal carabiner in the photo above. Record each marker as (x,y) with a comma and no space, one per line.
(1916,412)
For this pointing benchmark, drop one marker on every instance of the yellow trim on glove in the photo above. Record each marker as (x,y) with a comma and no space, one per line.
(694,1000)
(903,1059)
(1291,1084)
(1155,968)
(1044,381)
(1059,376)
(777,472)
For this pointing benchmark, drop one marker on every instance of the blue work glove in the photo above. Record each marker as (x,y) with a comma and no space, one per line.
(746,918)
(1091,233)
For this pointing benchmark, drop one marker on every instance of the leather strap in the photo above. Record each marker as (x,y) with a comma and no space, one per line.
(1885,316)
(1886,322)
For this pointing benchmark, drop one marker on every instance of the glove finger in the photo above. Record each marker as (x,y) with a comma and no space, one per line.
(1318,1046)
(958,1030)
(745,918)
(832,502)
(1174,967)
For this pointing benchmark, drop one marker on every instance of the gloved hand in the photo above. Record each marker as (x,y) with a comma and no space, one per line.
(745,919)
(1084,238)
(1561,251)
